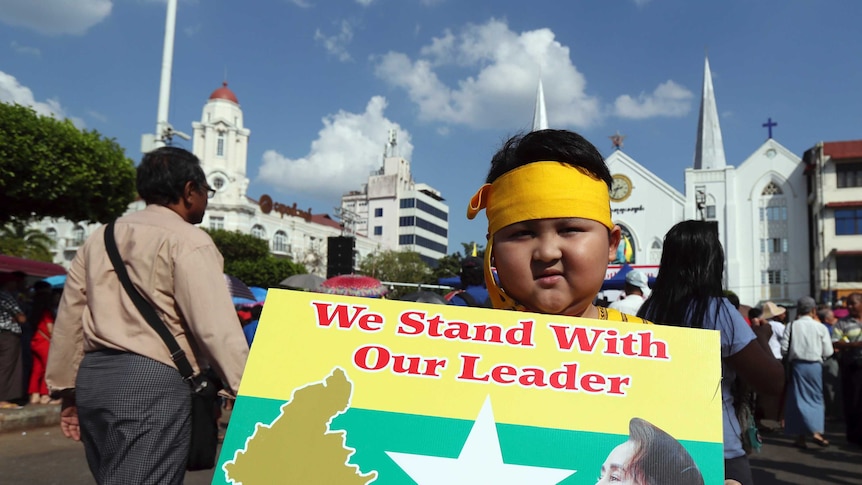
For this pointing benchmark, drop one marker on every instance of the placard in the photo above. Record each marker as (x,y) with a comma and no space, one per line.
(346,390)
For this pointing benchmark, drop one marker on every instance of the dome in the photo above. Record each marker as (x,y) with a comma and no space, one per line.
(224,93)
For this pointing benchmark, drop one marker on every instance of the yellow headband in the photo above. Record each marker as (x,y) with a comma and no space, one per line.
(538,190)
(542,190)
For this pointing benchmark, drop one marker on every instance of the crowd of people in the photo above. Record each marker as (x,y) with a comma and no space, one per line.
(550,239)
(27,314)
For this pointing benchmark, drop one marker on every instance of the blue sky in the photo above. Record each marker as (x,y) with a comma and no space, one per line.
(321,82)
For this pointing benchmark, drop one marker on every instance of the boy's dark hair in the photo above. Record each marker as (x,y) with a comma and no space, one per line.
(163,173)
(472,273)
(754,312)
(549,146)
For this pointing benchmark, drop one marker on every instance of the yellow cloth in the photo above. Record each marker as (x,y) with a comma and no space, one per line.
(538,190)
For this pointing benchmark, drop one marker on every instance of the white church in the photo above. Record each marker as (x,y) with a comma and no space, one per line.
(760,206)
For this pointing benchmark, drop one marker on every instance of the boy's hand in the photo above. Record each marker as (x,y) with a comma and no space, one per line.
(761,329)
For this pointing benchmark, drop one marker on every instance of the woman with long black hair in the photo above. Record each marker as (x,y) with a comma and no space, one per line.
(688,293)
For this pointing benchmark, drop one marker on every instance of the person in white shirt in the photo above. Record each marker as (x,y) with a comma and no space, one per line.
(774,314)
(806,343)
(637,289)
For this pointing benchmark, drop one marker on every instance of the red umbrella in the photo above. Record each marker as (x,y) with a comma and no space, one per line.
(353,285)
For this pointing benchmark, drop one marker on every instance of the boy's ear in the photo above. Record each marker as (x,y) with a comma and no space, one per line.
(614,236)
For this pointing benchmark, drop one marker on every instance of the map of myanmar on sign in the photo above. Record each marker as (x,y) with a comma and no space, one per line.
(346,390)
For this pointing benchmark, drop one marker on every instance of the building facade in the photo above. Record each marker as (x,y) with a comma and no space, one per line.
(834,189)
(220,141)
(397,212)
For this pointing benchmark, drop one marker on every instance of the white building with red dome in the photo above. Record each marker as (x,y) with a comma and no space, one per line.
(220,141)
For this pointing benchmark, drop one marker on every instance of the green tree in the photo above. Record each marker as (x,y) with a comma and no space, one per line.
(396,266)
(50,168)
(450,265)
(247,257)
(16,239)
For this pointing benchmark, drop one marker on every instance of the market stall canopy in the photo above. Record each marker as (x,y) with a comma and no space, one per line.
(41,269)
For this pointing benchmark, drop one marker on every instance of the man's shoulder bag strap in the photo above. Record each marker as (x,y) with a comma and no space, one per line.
(146,309)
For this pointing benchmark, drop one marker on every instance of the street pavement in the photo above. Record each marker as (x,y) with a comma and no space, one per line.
(43,456)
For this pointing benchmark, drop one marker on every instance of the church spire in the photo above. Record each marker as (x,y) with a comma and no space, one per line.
(540,115)
(709,151)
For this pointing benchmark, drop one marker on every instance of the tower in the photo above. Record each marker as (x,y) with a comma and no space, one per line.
(221,143)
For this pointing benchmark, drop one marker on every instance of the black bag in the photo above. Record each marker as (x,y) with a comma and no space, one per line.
(205,414)
(204,387)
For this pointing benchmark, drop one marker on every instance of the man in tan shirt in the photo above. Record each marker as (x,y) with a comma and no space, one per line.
(122,394)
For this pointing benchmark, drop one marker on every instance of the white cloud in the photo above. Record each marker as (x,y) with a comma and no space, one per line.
(365,3)
(192,30)
(54,17)
(301,3)
(346,150)
(97,116)
(26,49)
(337,44)
(641,3)
(507,65)
(668,99)
(12,92)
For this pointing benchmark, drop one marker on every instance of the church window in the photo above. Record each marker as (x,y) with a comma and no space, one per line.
(849,268)
(258,231)
(51,233)
(771,189)
(776,213)
(216,222)
(710,212)
(848,221)
(220,146)
(848,175)
(772,277)
(774,245)
(218,183)
(279,242)
(655,252)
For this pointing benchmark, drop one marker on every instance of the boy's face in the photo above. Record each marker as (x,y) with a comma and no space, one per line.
(554,266)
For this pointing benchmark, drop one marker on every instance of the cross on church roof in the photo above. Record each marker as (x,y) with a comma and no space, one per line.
(617,140)
(768,125)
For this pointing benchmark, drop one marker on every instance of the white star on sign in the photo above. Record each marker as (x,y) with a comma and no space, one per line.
(480,461)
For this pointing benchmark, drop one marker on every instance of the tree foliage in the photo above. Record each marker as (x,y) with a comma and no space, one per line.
(247,257)
(50,168)
(16,239)
(450,265)
(396,266)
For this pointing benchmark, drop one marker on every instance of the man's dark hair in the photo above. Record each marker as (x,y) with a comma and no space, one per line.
(163,173)
(549,146)
(472,273)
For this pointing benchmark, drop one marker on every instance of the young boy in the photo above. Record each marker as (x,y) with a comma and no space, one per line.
(550,233)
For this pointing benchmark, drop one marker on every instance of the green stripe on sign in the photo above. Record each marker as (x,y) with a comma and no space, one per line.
(372,433)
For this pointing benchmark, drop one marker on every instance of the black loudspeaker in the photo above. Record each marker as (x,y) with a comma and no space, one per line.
(339,255)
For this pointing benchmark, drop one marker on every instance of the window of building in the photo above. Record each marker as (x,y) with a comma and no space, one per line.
(77,236)
(279,242)
(216,222)
(849,268)
(848,221)
(408,203)
(407,221)
(710,212)
(51,233)
(406,239)
(772,277)
(775,213)
(378,230)
(218,183)
(220,146)
(773,245)
(258,231)
(848,175)
(771,189)
(378,212)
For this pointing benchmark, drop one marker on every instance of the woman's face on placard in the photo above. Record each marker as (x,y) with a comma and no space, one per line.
(616,468)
